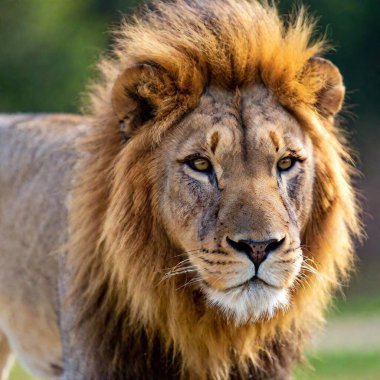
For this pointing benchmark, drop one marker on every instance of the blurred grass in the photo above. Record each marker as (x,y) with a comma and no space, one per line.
(358,306)
(18,373)
(341,366)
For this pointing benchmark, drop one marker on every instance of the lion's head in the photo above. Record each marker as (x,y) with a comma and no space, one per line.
(237,177)
(231,199)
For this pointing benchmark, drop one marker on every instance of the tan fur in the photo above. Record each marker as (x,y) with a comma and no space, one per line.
(6,359)
(37,154)
(225,44)
(234,81)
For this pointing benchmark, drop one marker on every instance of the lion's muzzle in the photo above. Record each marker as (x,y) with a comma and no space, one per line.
(256,251)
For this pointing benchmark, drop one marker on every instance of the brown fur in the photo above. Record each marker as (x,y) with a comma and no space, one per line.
(118,245)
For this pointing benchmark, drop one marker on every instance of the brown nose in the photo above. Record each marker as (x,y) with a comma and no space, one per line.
(257,251)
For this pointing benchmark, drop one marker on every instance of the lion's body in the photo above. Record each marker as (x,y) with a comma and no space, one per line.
(176,271)
(37,154)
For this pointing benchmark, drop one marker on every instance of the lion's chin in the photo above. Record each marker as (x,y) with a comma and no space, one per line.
(248,303)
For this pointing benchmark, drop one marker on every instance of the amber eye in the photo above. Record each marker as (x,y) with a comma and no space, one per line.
(286,163)
(200,164)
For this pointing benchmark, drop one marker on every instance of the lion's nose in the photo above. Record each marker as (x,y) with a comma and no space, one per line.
(257,251)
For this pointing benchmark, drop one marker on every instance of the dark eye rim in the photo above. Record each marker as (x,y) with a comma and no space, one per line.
(293,159)
(190,162)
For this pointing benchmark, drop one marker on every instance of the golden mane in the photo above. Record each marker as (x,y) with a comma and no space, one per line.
(115,230)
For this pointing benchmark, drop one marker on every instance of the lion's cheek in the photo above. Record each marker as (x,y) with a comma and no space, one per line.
(181,212)
(280,274)
(220,278)
(217,274)
(188,212)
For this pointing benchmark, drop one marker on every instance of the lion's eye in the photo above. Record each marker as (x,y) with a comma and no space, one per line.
(200,164)
(286,163)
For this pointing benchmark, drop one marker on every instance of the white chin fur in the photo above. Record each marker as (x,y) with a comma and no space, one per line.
(250,303)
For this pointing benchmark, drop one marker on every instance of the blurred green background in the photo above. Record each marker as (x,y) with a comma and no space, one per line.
(48,52)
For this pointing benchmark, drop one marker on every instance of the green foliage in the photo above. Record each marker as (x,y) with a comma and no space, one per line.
(341,366)
(49,48)
(355,306)
(353,28)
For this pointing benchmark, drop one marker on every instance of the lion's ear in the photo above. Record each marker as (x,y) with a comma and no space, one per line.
(139,93)
(331,95)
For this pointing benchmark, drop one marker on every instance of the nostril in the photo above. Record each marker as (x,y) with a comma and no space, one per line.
(239,246)
(257,251)
(274,244)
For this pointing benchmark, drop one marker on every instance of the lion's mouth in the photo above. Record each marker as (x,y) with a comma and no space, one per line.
(248,301)
(255,280)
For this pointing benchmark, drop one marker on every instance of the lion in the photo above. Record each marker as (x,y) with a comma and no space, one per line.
(196,221)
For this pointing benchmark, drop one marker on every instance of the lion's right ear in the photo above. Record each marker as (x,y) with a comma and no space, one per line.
(331,94)
(139,95)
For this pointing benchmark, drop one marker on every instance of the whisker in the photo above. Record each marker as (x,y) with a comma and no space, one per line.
(177,266)
(190,282)
(169,276)
(212,283)
(318,274)
(179,271)
(186,252)
(191,251)
(305,248)
(185,261)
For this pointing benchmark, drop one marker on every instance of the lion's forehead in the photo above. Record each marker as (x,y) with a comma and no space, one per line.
(249,122)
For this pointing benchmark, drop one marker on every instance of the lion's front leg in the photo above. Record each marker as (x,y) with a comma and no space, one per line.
(6,358)
(74,366)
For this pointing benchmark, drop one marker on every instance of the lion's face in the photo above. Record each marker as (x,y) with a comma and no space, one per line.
(237,194)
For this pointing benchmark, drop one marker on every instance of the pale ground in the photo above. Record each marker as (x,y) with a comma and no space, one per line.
(350,333)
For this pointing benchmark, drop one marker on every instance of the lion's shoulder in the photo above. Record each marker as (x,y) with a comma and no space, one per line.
(37,155)
(35,124)
(33,144)
(32,136)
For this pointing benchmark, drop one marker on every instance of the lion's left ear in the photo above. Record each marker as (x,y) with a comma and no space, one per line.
(140,94)
(331,95)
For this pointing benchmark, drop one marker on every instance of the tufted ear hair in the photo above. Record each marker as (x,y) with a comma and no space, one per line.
(331,94)
(140,94)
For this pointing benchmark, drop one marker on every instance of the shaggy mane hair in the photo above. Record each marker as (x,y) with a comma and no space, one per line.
(127,317)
